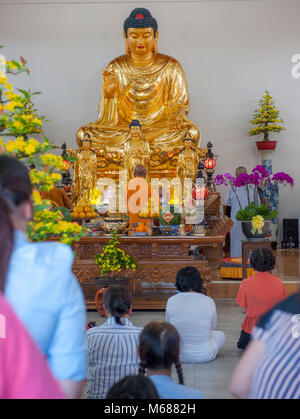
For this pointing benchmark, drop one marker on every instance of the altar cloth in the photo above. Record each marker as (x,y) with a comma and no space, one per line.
(231,268)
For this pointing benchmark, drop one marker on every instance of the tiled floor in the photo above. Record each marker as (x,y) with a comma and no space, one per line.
(211,378)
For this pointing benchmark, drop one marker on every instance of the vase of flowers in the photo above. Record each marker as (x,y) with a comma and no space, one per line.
(114,264)
(256,216)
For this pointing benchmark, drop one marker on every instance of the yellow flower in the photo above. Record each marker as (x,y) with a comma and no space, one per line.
(257,224)
(37,121)
(11,106)
(18,125)
(37,197)
(2,77)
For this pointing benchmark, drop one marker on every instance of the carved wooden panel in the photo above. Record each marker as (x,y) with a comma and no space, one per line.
(158,260)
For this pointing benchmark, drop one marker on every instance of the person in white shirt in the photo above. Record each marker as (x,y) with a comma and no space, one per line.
(194,315)
(234,200)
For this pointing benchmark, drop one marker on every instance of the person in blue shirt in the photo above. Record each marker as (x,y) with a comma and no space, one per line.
(159,349)
(37,280)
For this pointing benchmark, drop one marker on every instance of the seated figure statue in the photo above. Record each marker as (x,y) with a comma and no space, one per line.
(142,85)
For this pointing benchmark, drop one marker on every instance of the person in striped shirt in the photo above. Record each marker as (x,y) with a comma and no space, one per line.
(112,347)
(270,367)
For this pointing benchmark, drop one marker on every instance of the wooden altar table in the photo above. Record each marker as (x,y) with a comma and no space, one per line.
(158,259)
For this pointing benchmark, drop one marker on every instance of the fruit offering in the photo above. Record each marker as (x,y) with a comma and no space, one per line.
(84,210)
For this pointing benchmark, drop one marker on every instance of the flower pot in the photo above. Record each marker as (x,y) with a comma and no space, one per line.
(107,281)
(247,230)
(266,145)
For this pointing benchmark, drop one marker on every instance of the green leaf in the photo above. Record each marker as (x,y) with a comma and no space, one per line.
(38,208)
(66,213)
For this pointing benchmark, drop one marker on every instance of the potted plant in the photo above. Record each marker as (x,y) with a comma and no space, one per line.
(113,263)
(267,120)
(256,216)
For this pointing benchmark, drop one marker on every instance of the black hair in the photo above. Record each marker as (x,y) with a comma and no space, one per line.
(189,279)
(135,123)
(140,18)
(159,347)
(262,259)
(133,387)
(15,188)
(118,301)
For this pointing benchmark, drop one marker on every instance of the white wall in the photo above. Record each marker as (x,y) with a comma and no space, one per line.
(231,52)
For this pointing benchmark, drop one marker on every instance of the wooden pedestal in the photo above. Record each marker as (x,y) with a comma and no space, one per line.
(248,247)
(158,259)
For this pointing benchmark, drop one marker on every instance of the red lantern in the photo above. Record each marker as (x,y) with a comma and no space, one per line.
(200,192)
(210,163)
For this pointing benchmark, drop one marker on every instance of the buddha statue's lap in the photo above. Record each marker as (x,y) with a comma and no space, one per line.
(142,85)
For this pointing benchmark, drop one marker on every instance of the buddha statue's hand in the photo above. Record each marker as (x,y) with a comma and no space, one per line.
(175,122)
(109,83)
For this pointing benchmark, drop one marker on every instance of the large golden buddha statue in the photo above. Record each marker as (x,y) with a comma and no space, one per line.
(142,85)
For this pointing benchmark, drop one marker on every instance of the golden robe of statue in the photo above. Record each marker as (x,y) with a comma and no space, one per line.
(187,164)
(143,85)
(85,172)
(136,150)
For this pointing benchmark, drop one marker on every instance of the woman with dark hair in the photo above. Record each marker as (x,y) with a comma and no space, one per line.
(37,280)
(159,349)
(195,317)
(133,387)
(112,347)
(259,293)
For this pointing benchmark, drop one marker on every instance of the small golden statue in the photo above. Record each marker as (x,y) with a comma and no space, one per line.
(143,85)
(85,171)
(188,158)
(136,150)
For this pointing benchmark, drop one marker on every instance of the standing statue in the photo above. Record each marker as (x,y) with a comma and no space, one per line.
(136,150)
(188,159)
(143,85)
(85,171)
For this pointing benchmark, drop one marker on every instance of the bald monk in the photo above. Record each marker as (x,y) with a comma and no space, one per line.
(139,192)
(233,201)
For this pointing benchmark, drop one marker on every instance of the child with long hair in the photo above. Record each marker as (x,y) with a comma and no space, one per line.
(159,349)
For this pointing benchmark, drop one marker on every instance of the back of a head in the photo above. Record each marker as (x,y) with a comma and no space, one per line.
(240,170)
(133,387)
(15,188)
(140,171)
(118,302)
(262,259)
(159,346)
(189,279)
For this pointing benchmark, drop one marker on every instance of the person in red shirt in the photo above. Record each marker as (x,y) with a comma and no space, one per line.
(24,373)
(259,293)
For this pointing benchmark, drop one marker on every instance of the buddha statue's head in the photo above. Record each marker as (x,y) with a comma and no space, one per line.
(188,142)
(140,33)
(86,142)
(135,129)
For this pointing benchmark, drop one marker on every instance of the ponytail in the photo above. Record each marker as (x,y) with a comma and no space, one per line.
(15,188)
(159,347)
(178,367)
(118,302)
